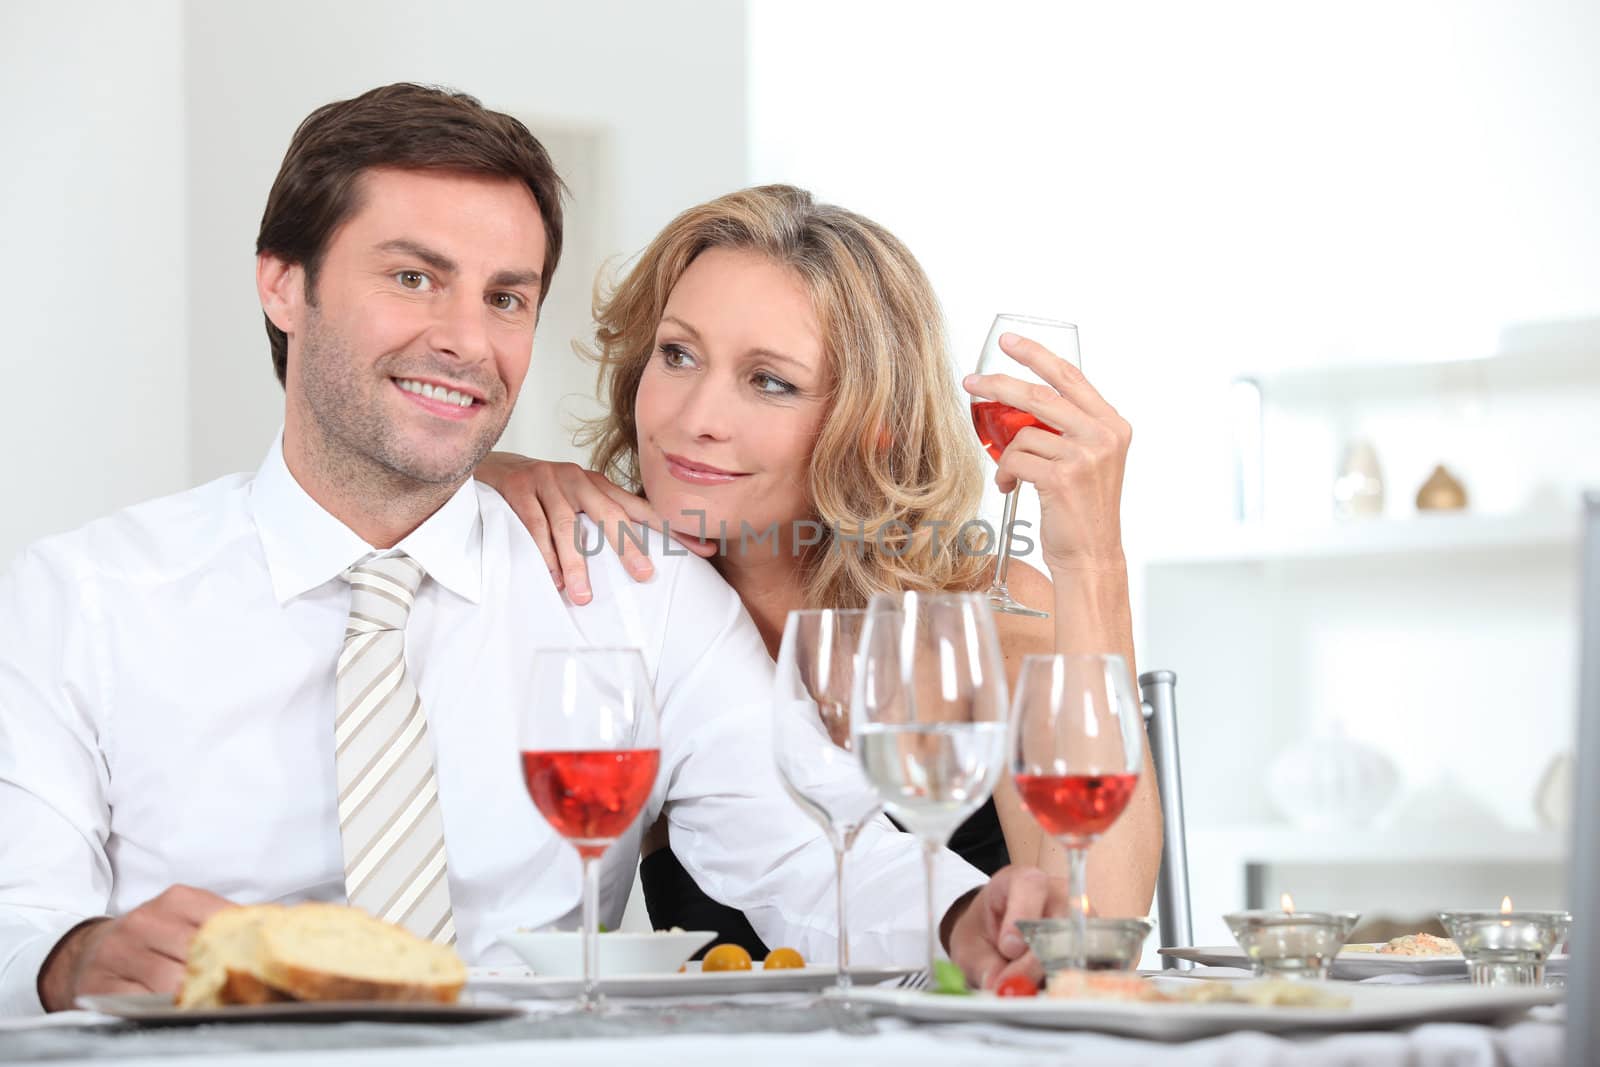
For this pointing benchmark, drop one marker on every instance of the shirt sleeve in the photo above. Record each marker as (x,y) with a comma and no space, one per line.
(736,830)
(54,872)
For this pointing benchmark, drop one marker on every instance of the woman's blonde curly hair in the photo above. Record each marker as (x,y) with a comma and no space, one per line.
(896,452)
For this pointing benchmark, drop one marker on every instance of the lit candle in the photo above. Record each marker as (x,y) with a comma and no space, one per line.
(1288,943)
(1506,947)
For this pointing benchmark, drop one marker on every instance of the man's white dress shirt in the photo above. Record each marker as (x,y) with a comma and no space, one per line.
(167,708)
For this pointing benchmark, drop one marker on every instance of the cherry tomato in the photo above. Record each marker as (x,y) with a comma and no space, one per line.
(1017,985)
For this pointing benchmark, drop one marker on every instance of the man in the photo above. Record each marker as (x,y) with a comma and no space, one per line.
(306,682)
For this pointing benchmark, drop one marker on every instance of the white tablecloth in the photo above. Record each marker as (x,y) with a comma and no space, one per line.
(1532,1043)
(763,1031)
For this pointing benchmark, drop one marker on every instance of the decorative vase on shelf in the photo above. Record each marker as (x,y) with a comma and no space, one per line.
(1552,801)
(1441,492)
(1358,489)
(1329,782)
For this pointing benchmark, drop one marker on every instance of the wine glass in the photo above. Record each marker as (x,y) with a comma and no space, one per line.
(1077,757)
(590,753)
(928,714)
(811,737)
(998,423)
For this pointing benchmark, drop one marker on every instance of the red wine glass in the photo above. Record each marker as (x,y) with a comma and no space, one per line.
(1078,753)
(998,423)
(590,753)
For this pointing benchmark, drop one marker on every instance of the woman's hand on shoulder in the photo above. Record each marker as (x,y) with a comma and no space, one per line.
(548,497)
(1077,471)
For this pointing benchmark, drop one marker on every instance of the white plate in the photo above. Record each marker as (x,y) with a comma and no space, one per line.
(518,984)
(158,1009)
(1355,962)
(1370,1008)
(559,953)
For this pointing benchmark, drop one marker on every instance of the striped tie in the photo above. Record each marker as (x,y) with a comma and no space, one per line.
(389,819)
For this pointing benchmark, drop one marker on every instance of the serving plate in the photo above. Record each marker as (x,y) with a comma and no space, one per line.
(519,984)
(1371,1007)
(157,1009)
(1356,962)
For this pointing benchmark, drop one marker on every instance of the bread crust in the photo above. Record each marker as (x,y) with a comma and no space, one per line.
(242,987)
(304,984)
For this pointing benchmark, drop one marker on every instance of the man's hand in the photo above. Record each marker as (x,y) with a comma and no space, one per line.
(983,939)
(141,952)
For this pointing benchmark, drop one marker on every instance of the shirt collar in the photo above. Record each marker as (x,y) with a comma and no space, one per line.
(305,546)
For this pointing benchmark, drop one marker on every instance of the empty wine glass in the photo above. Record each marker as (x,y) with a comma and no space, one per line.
(998,423)
(1077,757)
(811,737)
(590,754)
(929,716)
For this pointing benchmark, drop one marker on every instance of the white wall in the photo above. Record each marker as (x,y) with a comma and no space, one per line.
(1214,188)
(655,88)
(1205,188)
(92,275)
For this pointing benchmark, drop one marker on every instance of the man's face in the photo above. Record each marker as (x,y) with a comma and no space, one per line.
(420,328)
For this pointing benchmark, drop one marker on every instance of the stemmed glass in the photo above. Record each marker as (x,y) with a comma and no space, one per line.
(1077,757)
(928,714)
(590,753)
(998,423)
(811,737)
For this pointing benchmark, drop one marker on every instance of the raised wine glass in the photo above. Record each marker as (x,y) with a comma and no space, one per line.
(590,753)
(998,423)
(811,737)
(1077,757)
(929,717)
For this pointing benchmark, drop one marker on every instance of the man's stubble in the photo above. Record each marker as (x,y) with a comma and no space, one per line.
(353,442)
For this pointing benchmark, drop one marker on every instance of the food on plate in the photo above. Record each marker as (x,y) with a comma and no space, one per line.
(1130,988)
(1283,993)
(1420,945)
(780,959)
(726,958)
(1103,985)
(1018,985)
(948,980)
(266,953)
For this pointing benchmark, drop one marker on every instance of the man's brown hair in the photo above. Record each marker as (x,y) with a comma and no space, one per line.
(412,127)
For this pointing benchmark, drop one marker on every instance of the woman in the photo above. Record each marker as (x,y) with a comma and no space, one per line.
(778,364)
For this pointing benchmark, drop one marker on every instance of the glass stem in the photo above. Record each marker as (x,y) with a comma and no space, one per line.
(843,981)
(1078,904)
(1007,519)
(591,934)
(930,851)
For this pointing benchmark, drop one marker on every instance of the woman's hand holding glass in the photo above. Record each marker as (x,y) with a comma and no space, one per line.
(1077,469)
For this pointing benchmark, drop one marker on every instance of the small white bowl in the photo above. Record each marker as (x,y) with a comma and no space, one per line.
(559,953)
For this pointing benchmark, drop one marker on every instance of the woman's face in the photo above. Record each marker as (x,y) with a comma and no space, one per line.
(732,400)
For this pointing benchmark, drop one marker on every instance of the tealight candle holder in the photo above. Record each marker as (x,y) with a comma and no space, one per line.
(1289,943)
(1506,947)
(1109,944)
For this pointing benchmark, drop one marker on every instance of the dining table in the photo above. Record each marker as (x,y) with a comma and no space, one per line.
(765,1029)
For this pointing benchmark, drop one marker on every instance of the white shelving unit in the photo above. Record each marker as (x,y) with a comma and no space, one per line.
(1278,843)
(1444,640)
(1423,535)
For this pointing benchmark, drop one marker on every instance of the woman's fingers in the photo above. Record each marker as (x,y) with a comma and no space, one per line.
(1041,401)
(637,508)
(1065,375)
(531,512)
(563,522)
(703,549)
(580,490)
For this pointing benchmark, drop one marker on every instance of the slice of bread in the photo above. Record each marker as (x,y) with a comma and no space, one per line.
(267,953)
(227,943)
(331,952)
